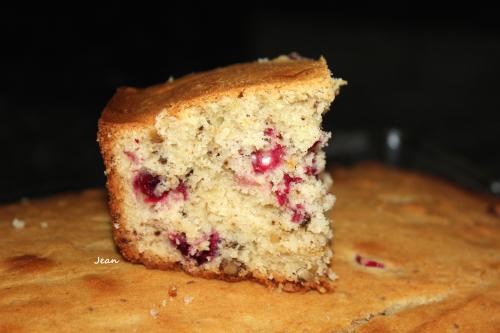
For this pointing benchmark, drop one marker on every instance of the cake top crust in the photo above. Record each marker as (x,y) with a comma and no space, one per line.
(142,105)
(412,254)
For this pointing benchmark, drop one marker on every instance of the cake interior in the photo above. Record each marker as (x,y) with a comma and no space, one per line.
(233,187)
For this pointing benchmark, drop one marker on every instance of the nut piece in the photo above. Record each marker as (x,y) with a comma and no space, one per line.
(231,266)
(305,275)
(155,137)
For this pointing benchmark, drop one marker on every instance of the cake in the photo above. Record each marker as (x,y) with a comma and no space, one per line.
(429,261)
(220,173)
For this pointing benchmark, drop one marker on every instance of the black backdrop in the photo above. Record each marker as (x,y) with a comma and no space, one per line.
(434,76)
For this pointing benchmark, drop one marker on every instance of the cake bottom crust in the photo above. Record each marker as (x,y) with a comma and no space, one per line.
(130,253)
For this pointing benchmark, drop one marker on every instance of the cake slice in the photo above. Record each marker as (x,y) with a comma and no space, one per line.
(220,173)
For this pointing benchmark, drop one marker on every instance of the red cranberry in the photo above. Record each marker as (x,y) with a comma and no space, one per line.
(181,188)
(207,255)
(179,241)
(272,133)
(300,216)
(310,170)
(289,180)
(282,195)
(266,160)
(368,263)
(269,131)
(146,183)
(132,156)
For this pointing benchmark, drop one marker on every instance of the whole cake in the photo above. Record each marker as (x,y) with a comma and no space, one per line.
(220,173)
(413,254)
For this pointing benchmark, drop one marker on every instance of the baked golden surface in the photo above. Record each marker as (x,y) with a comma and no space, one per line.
(440,247)
(132,105)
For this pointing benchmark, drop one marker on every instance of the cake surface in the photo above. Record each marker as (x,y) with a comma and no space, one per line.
(412,254)
(220,173)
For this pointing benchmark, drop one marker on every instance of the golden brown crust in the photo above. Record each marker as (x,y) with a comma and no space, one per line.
(440,246)
(157,263)
(132,105)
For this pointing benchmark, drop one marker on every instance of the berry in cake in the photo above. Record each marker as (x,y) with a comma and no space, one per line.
(221,173)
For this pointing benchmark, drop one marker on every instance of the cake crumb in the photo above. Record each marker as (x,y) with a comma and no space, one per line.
(116,225)
(172,291)
(332,276)
(322,289)
(164,303)
(153,313)
(188,299)
(18,224)
(44,225)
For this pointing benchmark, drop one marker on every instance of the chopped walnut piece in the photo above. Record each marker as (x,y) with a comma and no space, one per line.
(231,267)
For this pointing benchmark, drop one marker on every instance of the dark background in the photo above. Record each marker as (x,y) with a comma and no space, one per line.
(432,76)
